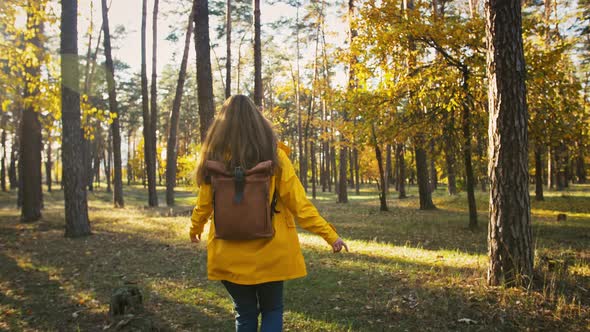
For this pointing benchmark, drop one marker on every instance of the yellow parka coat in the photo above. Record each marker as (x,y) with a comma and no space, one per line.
(264,260)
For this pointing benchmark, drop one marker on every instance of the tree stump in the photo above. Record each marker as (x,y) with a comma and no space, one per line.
(127,313)
(126,300)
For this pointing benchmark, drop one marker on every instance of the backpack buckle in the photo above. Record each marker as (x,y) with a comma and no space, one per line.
(239,183)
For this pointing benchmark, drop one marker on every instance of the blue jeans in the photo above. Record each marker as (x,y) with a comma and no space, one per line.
(250,300)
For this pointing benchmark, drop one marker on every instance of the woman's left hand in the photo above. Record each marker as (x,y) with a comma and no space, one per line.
(338,245)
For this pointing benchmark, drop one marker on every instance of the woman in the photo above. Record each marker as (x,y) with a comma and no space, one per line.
(253,271)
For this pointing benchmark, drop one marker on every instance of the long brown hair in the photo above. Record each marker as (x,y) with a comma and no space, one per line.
(239,136)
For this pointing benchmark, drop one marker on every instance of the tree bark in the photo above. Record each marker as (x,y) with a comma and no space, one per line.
(76,205)
(172,146)
(342,182)
(566,167)
(107,163)
(357,172)
(422,175)
(539,173)
(154,106)
(204,76)
(30,129)
(228,26)
(509,233)
(334,174)
(450,158)
(48,165)
(581,167)
(351,167)
(550,168)
(313,167)
(559,166)
(300,146)
(129,157)
(12,171)
(150,162)
(388,167)
(466,129)
(114,109)
(432,167)
(382,176)
(3,162)
(97,146)
(401,170)
(257,57)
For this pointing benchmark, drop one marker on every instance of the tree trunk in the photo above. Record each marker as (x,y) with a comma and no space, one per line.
(257,57)
(30,129)
(313,168)
(450,158)
(433,175)
(97,153)
(382,177)
(422,175)
(172,146)
(509,234)
(388,167)
(3,161)
(466,129)
(560,167)
(113,107)
(351,167)
(567,167)
(228,26)
(129,157)
(342,181)
(300,147)
(539,173)
(357,172)
(204,76)
(401,170)
(76,205)
(581,167)
(154,106)
(48,165)
(483,167)
(107,163)
(334,173)
(550,168)
(12,171)
(324,151)
(57,167)
(150,159)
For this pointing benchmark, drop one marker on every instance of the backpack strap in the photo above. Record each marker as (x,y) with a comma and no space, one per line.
(273,204)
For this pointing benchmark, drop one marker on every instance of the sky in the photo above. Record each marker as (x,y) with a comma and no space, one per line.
(127,13)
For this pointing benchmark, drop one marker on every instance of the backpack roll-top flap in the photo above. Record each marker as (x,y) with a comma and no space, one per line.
(241,201)
(264,167)
(213,167)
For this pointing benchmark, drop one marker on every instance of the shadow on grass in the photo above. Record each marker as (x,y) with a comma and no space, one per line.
(89,269)
(37,301)
(358,292)
(396,294)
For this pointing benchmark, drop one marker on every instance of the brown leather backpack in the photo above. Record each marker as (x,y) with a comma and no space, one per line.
(241,206)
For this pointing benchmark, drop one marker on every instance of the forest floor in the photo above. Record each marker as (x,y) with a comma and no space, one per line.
(408,270)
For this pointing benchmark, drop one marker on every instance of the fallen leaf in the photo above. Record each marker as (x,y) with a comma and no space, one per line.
(467,321)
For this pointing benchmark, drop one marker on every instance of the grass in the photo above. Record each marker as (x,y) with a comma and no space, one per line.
(408,270)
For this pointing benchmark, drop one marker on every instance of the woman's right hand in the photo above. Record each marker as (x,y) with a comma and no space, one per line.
(338,245)
(195,238)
